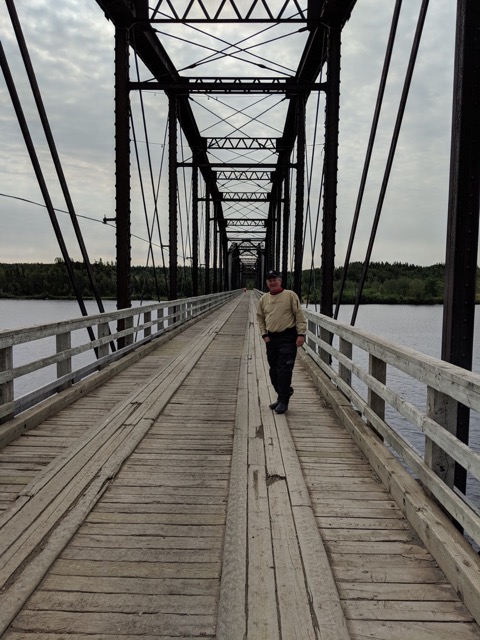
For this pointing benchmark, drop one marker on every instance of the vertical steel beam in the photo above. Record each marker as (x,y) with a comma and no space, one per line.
(463,207)
(269,246)
(226,263)
(172,195)
(207,242)
(122,173)
(299,196)
(331,170)
(219,258)
(286,225)
(195,230)
(215,248)
(277,194)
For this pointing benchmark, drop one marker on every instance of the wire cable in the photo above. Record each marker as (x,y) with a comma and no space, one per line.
(391,154)
(368,156)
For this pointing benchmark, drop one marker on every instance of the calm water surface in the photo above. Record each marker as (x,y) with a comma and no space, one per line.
(16,314)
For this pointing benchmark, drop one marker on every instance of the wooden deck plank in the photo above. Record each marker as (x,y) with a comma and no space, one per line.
(430,611)
(262,619)
(294,606)
(232,613)
(300,506)
(99,623)
(177,527)
(123,603)
(392,630)
(390,586)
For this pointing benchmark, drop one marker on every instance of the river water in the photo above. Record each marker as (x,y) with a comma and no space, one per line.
(417,327)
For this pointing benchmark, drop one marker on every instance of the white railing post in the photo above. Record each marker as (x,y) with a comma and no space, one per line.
(443,410)
(160,320)
(172,314)
(346,349)
(103,330)
(129,325)
(378,369)
(327,337)
(312,327)
(147,317)
(6,388)
(64,367)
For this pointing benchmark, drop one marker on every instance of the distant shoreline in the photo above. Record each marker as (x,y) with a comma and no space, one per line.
(386,283)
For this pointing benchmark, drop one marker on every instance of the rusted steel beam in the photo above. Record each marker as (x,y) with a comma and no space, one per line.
(463,207)
(122,174)
(172,196)
(299,196)
(331,174)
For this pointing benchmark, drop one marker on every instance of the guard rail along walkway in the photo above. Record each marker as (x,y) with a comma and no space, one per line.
(164,499)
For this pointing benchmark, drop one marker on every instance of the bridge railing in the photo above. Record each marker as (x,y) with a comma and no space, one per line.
(46,359)
(367,369)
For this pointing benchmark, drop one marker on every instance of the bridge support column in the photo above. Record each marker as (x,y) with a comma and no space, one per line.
(226,264)
(463,208)
(122,175)
(286,226)
(172,195)
(215,248)
(331,172)
(195,230)
(207,242)
(278,222)
(300,196)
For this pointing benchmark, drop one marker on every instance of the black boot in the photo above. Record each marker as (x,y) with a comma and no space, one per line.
(281,407)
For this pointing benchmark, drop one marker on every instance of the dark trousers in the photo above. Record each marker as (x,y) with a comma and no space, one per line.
(281,354)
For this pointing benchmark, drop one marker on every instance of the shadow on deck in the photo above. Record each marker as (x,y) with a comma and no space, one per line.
(172,503)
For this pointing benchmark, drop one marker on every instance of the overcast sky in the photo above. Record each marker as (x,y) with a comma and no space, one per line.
(71,46)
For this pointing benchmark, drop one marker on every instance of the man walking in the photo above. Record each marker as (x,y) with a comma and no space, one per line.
(282,326)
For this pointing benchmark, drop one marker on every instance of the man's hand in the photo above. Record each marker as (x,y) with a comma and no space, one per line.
(266,338)
(300,341)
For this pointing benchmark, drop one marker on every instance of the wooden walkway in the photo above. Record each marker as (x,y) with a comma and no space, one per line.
(172,503)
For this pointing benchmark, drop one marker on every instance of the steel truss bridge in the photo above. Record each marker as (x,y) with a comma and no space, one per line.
(241,135)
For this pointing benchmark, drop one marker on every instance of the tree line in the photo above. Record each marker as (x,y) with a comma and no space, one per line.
(41,281)
(386,283)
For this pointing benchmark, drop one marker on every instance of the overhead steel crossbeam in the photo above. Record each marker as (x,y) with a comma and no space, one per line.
(269,144)
(255,231)
(239,222)
(247,243)
(244,175)
(245,196)
(139,22)
(253,11)
(230,85)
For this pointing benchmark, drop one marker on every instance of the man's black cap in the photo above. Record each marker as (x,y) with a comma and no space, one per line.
(272,274)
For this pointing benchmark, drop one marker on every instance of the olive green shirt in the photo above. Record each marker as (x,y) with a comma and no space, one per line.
(278,312)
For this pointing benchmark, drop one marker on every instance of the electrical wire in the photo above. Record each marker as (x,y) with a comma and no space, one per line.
(90,219)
